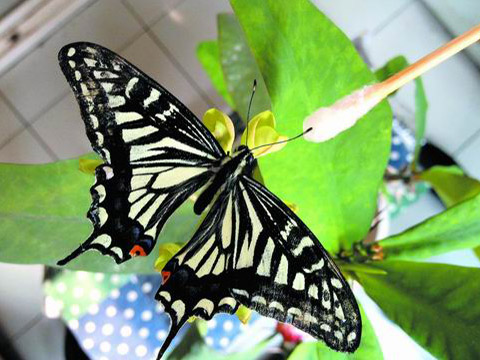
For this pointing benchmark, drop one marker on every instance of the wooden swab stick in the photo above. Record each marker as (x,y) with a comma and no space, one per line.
(329,121)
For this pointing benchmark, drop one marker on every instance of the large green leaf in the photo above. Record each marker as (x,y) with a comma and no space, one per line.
(453,187)
(436,304)
(369,347)
(451,184)
(42,218)
(453,229)
(240,68)
(421,105)
(307,62)
(209,56)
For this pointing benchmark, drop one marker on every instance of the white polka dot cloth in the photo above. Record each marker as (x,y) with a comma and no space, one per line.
(129,323)
(402,150)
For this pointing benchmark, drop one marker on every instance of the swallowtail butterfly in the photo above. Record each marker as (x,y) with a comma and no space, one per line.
(251,249)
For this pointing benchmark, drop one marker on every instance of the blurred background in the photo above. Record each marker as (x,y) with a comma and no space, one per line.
(40,121)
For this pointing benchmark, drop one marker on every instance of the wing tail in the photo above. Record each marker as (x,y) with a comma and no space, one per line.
(174,328)
(78,251)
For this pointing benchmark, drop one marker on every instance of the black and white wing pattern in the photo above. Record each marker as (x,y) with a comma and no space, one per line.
(296,281)
(253,250)
(156,152)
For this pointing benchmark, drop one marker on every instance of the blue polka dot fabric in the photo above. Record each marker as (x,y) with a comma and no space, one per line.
(403,146)
(127,322)
(224,330)
(400,195)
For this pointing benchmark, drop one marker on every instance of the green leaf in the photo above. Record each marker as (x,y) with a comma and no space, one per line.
(451,184)
(454,229)
(42,218)
(307,62)
(436,304)
(347,267)
(421,105)
(240,68)
(88,166)
(209,57)
(369,347)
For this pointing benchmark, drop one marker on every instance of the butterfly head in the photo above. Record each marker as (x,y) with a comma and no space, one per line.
(245,158)
(242,148)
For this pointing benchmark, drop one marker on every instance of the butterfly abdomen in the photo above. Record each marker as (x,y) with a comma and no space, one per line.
(240,163)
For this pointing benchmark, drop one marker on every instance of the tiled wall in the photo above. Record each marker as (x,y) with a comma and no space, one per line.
(40,121)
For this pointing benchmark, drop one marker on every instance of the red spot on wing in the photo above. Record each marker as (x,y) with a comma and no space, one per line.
(165,276)
(137,250)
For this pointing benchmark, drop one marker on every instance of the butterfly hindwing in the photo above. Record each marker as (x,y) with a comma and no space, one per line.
(156,152)
(196,280)
(296,281)
(253,250)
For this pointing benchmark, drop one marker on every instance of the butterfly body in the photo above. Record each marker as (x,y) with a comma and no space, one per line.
(241,162)
(250,249)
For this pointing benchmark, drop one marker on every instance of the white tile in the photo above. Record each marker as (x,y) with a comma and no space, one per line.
(469,158)
(359,17)
(153,62)
(37,81)
(152,10)
(7,5)
(44,341)
(181,31)
(425,207)
(9,124)
(458,17)
(63,130)
(22,295)
(452,88)
(24,148)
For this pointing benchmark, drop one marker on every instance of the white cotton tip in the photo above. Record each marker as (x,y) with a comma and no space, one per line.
(328,122)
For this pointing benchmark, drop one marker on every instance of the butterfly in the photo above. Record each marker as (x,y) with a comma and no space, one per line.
(250,249)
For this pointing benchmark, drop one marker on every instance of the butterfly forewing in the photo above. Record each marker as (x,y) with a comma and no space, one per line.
(156,152)
(196,280)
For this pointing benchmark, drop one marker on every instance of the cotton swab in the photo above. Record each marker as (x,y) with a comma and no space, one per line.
(327,122)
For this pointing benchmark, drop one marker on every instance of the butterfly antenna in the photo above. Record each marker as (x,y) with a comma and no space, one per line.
(283,141)
(250,105)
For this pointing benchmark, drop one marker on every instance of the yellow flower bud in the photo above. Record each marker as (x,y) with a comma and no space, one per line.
(261,131)
(221,127)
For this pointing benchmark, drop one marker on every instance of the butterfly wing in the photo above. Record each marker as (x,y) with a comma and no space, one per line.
(251,249)
(156,152)
(196,279)
(295,280)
